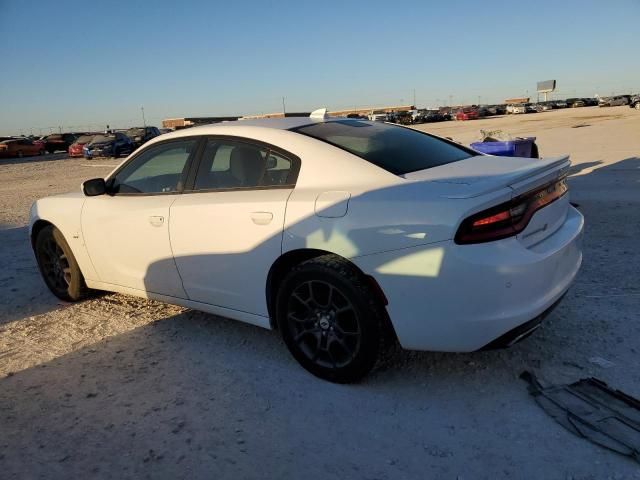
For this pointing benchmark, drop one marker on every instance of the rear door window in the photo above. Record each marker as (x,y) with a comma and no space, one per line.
(229,164)
(398,150)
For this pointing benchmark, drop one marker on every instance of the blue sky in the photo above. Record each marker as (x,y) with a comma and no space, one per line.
(85,63)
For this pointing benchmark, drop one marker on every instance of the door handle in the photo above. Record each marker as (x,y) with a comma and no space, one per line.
(156,220)
(261,218)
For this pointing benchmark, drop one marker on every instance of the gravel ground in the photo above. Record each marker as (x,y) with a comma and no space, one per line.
(119,387)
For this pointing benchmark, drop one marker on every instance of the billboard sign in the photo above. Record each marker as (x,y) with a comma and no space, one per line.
(546,86)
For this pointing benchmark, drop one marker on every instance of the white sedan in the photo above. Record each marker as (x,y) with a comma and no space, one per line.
(340,233)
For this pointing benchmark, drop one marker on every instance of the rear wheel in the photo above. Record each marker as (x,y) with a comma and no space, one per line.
(58,266)
(20,154)
(638,106)
(330,320)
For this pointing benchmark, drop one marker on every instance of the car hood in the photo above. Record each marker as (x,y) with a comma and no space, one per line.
(484,174)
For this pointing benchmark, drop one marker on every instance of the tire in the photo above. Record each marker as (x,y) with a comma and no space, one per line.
(535,153)
(329,319)
(638,106)
(116,153)
(58,266)
(20,154)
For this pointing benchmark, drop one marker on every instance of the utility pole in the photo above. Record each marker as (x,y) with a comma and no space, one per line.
(284,111)
(451,100)
(144,121)
(414,98)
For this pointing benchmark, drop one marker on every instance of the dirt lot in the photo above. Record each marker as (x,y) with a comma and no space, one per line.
(118,387)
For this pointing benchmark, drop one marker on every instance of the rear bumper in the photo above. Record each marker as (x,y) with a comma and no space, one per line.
(460,298)
(521,332)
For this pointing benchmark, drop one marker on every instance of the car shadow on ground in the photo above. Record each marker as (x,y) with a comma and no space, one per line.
(198,396)
(23,293)
(576,169)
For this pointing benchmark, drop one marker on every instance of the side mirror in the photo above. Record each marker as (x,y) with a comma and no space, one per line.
(271,162)
(94,187)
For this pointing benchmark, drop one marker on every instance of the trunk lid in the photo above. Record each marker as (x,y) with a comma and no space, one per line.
(476,176)
(484,174)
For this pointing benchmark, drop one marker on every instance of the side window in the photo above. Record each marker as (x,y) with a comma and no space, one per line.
(159,169)
(227,164)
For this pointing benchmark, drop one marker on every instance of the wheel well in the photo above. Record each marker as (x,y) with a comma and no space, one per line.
(289,260)
(35,230)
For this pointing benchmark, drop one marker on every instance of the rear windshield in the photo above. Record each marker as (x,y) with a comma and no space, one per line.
(398,150)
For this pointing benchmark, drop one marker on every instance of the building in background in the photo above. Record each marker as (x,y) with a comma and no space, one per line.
(178,123)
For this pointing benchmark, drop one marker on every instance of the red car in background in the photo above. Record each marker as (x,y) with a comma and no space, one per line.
(75,149)
(59,141)
(20,147)
(467,114)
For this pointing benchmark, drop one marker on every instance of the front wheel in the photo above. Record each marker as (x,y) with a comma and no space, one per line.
(58,266)
(638,106)
(330,320)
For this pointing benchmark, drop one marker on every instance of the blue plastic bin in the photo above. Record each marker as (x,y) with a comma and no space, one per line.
(520,147)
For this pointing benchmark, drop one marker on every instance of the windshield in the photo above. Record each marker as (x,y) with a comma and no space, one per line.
(103,138)
(396,149)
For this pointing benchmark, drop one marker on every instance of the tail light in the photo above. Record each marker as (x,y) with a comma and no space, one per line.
(509,218)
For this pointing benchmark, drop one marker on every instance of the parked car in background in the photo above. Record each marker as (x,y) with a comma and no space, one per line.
(168,130)
(635,102)
(517,108)
(613,101)
(140,135)
(430,116)
(42,140)
(590,102)
(575,102)
(560,104)
(108,145)
(427,242)
(403,118)
(76,148)
(20,147)
(59,141)
(379,117)
(467,113)
(530,108)
(483,111)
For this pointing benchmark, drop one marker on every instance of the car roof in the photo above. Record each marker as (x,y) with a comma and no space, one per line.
(286,123)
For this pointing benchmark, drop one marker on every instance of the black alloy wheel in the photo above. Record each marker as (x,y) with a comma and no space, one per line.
(324,324)
(58,266)
(330,319)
